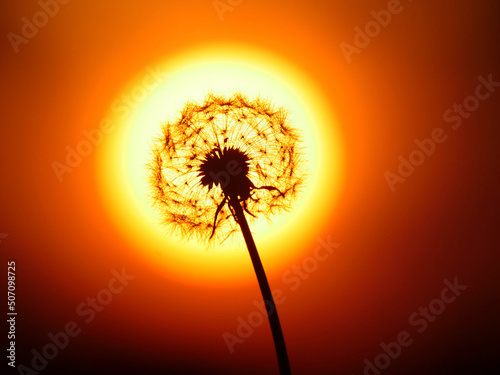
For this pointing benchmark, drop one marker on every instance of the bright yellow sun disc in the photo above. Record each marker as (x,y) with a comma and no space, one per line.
(157,95)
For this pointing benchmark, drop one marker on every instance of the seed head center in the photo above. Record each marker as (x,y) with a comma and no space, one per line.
(227,168)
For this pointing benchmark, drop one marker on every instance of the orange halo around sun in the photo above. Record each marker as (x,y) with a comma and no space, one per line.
(156,95)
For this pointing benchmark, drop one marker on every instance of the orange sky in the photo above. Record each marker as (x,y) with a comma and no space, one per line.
(396,248)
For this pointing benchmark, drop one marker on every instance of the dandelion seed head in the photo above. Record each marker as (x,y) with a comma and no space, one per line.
(225,146)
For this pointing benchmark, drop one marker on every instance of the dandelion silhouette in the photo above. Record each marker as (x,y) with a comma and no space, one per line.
(220,159)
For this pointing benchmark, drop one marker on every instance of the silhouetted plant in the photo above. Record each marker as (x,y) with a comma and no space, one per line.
(221,158)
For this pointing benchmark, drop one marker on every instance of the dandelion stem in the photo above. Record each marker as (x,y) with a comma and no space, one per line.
(272,313)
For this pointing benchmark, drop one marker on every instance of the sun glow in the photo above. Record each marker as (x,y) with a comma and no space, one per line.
(156,96)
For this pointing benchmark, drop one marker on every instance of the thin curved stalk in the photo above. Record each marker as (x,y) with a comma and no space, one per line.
(272,312)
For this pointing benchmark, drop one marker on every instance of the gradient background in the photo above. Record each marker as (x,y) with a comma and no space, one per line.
(396,248)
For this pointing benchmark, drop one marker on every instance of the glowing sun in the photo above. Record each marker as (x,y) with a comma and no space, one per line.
(158,94)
